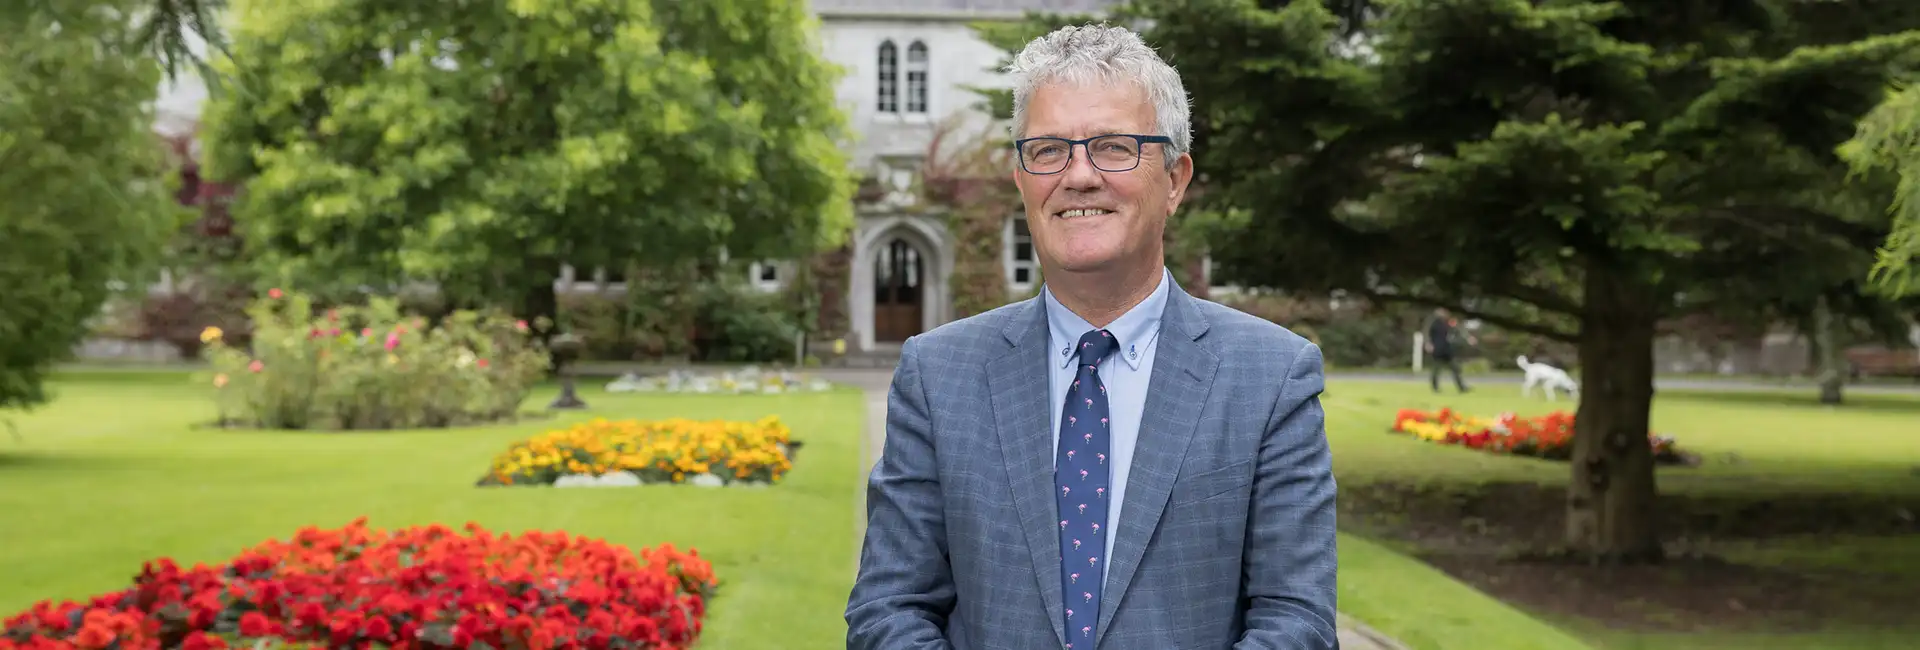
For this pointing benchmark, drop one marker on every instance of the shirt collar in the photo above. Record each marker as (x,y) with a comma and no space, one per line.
(1133,330)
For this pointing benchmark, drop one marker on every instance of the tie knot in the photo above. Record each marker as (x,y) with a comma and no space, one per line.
(1096,345)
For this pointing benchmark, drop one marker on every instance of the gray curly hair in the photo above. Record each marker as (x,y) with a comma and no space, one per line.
(1084,54)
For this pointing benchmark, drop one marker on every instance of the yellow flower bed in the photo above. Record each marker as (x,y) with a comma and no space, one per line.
(654,451)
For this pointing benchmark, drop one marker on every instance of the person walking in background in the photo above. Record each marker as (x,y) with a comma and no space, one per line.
(1440,347)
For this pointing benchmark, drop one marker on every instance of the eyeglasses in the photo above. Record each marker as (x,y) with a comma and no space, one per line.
(1109,153)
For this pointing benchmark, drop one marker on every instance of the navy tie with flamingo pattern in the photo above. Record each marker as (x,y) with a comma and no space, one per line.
(1082,476)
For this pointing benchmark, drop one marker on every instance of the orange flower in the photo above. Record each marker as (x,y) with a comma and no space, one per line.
(93,635)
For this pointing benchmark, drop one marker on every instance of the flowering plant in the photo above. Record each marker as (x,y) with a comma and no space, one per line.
(370,367)
(1548,436)
(420,587)
(663,451)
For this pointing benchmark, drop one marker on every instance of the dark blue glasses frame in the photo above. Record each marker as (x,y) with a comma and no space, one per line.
(1141,141)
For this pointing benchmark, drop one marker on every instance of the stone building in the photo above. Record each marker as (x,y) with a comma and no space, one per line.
(910,65)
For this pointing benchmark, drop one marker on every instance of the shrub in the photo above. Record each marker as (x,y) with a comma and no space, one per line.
(601,321)
(420,587)
(737,323)
(370,367)
(659,317)
(659,451)
(178,318)
(1548,436)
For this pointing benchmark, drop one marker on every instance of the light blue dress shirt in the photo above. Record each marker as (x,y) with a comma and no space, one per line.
(1137,331)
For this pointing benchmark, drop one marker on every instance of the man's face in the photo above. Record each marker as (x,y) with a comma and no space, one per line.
(1087,220)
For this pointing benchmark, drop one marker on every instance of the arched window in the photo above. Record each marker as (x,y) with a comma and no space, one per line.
(889,95)
(917,77)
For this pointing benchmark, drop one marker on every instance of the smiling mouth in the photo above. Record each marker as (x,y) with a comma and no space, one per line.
(1081,212)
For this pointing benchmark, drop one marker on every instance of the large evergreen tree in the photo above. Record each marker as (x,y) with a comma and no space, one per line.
(84,176)
(385,140)
(1579,170)
(1889,141)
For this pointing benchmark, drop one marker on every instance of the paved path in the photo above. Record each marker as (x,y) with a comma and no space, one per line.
(1353,634)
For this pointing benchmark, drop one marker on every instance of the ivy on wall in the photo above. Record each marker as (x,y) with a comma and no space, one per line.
(970,184)
(979,281)
(830,274)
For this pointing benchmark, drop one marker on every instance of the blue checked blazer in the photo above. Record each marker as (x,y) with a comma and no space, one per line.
(1226,537)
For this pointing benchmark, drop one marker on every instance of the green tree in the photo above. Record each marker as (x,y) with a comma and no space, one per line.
(386,141)
(1576,170)
(1888,140)
(160,28)
(87,203)
(1885,150)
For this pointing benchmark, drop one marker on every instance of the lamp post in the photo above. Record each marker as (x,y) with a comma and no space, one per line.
(566,349)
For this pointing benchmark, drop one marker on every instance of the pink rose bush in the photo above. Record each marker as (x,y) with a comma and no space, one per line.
(371,367)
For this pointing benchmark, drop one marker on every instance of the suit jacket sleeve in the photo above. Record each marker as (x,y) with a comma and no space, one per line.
(904,591)
(1290,562)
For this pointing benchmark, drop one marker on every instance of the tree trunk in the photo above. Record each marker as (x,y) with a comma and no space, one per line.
(1610,503)
(1826,348)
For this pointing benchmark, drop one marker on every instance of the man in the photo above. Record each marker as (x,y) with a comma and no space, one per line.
(1440,347)
(1113,464)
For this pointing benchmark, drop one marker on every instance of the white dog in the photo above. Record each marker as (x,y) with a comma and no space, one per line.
(1547,377)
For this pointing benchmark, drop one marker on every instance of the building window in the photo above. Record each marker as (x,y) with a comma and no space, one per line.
(765,276)
(889,96)
(917,77)
(1020,258)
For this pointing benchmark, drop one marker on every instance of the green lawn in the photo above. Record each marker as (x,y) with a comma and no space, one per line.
(113,474)
(1759,439)
(1759,446)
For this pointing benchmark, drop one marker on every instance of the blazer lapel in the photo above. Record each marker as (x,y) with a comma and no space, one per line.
(1182,378)
(1017,381)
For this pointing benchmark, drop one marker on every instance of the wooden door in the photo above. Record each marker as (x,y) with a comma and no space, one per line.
(898,295)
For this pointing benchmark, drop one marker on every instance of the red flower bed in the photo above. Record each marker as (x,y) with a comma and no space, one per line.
(1547,436)
(421,587)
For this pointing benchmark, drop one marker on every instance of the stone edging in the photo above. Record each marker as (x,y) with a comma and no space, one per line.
(1381,641)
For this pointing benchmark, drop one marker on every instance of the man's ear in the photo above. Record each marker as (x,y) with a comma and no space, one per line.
(1181,175)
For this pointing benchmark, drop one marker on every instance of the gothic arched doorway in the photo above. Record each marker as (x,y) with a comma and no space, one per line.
(899,293)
